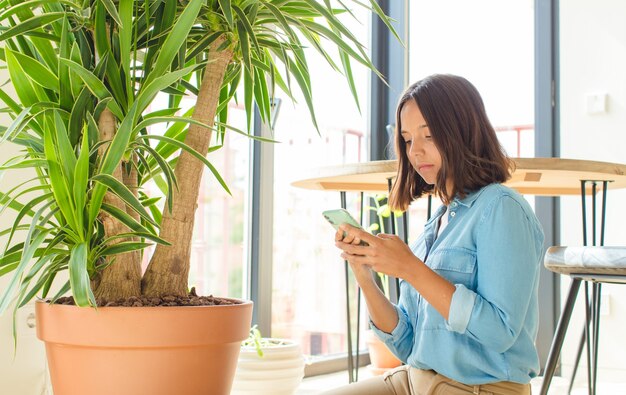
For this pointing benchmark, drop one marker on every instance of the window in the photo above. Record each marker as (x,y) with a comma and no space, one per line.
(217,248)
(491,43)
(308,302)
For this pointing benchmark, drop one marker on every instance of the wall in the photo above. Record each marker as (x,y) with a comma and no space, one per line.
(23,368)
(593,60)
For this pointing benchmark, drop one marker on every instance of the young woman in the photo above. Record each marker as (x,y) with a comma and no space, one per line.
(467,317)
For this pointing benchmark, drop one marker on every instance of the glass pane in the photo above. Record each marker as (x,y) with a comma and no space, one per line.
(308,296)
(489,42)
(217,257)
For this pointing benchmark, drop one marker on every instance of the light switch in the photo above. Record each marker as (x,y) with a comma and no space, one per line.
(596,103)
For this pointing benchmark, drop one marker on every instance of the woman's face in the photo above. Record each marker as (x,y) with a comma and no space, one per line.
(419,145)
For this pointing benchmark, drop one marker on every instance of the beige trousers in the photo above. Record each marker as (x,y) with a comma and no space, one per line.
(406,380)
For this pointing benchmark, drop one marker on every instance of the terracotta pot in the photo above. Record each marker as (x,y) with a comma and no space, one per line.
(143,350)
(382,359)
(278,372)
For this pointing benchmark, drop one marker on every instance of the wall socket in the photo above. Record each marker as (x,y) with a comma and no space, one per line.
(26,321)
(597,103)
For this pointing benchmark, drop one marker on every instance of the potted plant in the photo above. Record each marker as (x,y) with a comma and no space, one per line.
(268,366)
(86,73)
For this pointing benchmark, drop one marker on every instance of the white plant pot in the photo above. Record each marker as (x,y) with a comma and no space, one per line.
(278,372)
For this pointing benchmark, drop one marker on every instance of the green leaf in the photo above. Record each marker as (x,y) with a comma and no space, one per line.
(165,168)
(8,100)
(30,246)
(194,153)
(79,278)
(28,93)
(37,72)
(261,95)
(248,27)
(302,76)
(338,40)
(124,218)
(66,152)
(27,255)
(175,39)
(166,112)
(386,20)
(149,91)
(62,291)
(32,4)
(108,4)
(42,263)
(201,45)
(227,11)
(60,187)
(77,115)
(245,46)
(26,163)
(94,84)
(280,17)
(17,125)
(33,23)
(347,68)
(148,236)
(126,41)
(25,209)
(123,247)
(81,179)
(248,89)
(124,193)
(159,119)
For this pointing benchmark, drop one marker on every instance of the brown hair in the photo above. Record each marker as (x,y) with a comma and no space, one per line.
(471,154)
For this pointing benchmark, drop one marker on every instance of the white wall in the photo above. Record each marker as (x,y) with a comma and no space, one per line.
(23,371)
(593,60)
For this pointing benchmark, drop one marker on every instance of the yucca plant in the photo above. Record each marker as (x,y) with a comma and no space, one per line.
(86,73)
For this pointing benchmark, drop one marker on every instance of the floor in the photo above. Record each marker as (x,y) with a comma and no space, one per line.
(317,384)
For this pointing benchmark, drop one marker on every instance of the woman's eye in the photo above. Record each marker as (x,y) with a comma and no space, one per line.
(407,142)
(427,137)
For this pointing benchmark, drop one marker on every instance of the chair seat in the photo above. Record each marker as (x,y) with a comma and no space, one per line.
(586,260)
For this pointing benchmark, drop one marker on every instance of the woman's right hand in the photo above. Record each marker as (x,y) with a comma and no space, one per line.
(362,272)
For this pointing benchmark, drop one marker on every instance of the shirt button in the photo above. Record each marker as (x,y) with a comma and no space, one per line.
(453,204)
(452,213)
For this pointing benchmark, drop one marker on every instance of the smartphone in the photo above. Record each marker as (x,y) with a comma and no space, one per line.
(340,216)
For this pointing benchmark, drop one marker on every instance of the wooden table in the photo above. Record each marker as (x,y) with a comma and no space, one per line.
(533,176)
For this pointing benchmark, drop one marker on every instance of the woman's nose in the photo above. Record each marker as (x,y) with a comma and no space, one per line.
(416,148)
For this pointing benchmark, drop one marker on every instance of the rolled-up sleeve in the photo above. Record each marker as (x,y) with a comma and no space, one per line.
(461,308)
(400,340)
(509,246)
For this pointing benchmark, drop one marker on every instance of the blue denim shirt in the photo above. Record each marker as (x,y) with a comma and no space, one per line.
(491,251)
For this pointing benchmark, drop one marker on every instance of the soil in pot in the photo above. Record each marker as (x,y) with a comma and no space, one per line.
(190,300)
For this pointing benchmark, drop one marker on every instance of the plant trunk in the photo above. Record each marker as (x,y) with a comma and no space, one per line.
(122,278)
(168,271)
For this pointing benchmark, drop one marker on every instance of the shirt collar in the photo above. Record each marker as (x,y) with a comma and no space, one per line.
(467,201)
(440,210)
(470,198)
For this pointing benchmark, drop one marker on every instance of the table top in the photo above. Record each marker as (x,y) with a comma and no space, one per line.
(533,176)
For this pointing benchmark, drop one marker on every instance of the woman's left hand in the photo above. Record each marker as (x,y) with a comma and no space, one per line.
(385,253)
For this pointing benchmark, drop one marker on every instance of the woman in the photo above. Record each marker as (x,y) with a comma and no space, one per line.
(467,317)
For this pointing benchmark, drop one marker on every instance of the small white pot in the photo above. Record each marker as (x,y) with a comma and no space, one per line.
(278,372)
